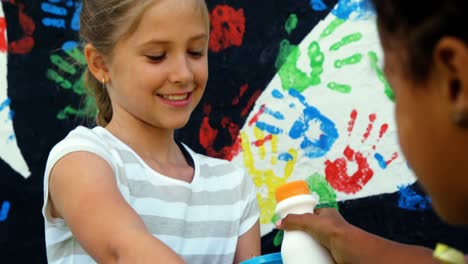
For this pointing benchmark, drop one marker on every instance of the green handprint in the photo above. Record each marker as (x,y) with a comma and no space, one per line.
(293,77)
(374,63)
(70,66)
(291,23)
(318,184)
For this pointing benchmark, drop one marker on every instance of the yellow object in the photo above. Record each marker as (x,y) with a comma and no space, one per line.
(448,255)
(291,189)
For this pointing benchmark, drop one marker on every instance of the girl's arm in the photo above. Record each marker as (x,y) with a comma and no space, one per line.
(84,192)
(248,245)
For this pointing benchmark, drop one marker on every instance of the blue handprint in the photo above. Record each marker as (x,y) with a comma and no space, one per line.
(61,14)
(67,64)
(353,9)
(313,146)
(318,5)
(3,106)
(409,199)
(4,210)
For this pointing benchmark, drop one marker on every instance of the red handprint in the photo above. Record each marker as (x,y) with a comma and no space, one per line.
(3,41)
(228,27)
(336,171)
(209,134)
(26,43)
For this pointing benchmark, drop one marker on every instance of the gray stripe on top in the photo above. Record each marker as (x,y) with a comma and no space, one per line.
(61,250)
(183,194)
(209,259)
(175,227)
(218,170)
(128,156)
(206,171)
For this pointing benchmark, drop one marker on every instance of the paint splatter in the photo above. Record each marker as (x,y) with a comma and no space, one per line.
(336,172)
(318,184)
(5,104)
(346,40)
(332,27)
(4,211)
(338,87)
(318,5)
(57,15)
(353,9)
(410,200)
(208,135)
(69,63)
(291,23)
(387,88)
(266,178)
(67,74)
(25,43)
(3,40)
(384,163)
(278,238)
(351,60)
(313,147)
(227,27)
(369,128)
(352,121)
(285,49)
(292,77)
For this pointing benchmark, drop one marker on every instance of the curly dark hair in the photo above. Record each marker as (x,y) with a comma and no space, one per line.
(418,26)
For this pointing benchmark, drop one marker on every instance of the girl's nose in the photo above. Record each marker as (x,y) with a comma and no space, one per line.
(181,72)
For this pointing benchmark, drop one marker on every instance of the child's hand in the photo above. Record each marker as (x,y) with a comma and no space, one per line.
(327,226)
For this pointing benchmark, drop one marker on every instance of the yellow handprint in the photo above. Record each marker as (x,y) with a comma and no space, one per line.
(267,179)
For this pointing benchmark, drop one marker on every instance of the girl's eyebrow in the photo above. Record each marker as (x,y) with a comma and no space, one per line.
(199,36)
(163,42)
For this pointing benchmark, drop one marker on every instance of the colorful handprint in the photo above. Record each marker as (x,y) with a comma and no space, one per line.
(210,135)
(67,64)
(336,172)
(58,14)
(315,131)
(268,178)
(227,27)
(26,42)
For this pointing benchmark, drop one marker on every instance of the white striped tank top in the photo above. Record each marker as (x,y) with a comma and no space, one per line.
(201,221)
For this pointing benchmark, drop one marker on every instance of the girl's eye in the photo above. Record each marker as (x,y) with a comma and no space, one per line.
(196,53)
(156,58)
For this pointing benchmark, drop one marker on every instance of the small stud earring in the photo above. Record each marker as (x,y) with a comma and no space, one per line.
(103,83)
(460,119)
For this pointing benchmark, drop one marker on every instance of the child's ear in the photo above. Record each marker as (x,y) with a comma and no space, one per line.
(96,63)
(451,64)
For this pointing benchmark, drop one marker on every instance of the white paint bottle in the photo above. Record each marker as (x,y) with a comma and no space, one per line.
(298,247)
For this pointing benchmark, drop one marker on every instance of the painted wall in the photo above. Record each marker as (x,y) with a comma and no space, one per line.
(296,91)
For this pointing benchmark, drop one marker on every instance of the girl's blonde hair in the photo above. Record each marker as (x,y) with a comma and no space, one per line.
(103,23)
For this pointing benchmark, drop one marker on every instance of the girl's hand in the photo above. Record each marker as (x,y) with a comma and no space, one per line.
(326,226)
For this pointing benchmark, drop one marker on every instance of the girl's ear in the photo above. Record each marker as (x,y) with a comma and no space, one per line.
(96,63)
(451,64)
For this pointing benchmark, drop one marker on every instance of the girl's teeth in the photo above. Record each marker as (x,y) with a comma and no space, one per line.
(175,97)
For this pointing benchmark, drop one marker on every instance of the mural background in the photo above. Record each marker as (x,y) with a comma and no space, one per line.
(295,92)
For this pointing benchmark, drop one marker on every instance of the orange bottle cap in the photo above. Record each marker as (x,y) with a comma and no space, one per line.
(290,189)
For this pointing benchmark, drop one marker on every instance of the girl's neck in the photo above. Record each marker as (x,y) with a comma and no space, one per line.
(149,142)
